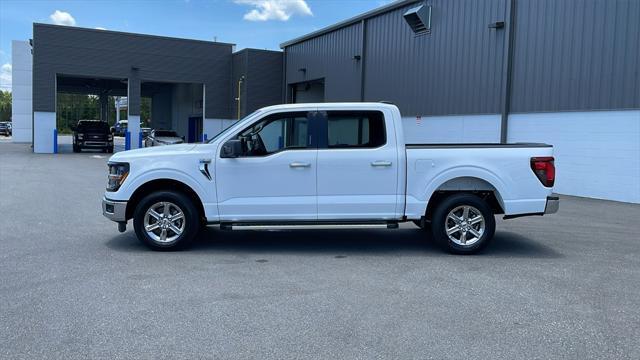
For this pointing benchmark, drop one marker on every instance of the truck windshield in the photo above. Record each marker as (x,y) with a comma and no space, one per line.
(93,126)
(228,128)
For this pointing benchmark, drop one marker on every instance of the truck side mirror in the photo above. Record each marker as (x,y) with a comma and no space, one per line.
(231,149)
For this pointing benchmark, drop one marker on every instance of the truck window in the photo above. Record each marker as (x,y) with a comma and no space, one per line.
(355,129)
(276,133)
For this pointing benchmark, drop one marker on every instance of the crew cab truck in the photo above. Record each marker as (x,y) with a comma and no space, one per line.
(327,163)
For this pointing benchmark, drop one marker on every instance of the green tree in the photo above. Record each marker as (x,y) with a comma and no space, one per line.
(5,105)
(145,111)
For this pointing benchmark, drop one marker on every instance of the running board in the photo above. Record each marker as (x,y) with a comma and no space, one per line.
(389,224)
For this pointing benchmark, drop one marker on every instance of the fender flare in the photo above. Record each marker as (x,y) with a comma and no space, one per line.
(448,174)
(166,174)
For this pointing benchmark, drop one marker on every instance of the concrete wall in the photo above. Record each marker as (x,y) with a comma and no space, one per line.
(212,127)
(597,152)
(45,124)
(452,129)
(21,110)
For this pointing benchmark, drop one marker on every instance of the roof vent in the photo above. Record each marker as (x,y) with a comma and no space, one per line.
(419,19)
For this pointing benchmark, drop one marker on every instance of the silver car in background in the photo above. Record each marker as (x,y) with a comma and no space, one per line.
(162,137)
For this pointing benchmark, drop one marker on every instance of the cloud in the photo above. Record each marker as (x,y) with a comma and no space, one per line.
(5,77)
(100,28)
(280,10)
(62,18)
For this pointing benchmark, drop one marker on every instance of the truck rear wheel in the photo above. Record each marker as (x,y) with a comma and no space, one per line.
(463,223)
(166,221)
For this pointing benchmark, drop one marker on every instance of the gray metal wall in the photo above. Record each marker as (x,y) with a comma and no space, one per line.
(240,66)
(329,56)
(262,86)
(576,55)
(568,55)
(97,53)
(454,70)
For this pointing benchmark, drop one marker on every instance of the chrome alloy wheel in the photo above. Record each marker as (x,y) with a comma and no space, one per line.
(465,225)
(164,222)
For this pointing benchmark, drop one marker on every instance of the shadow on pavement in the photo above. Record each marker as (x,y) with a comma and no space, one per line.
(508,244)
(346,241)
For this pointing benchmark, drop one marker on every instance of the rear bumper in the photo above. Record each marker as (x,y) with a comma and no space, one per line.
(114,210)
(551,207)
(553,204)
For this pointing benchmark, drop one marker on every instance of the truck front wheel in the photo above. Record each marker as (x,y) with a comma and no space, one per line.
(166,220)
(464,223)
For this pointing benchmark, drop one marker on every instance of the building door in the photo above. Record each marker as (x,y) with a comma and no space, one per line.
(194,133)
(308,92)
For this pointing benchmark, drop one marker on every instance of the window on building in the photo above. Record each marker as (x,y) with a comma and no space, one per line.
(360,129)
(275,133)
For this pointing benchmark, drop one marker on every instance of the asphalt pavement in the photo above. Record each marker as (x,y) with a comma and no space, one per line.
(565,286)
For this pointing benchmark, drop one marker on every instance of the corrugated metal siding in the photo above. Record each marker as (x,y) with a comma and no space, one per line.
(265,79)
(329,56)
(86,52)
(576,55)
(262,86)
(240,63)
(454,70)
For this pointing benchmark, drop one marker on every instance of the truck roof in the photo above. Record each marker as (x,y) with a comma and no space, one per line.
(326,105)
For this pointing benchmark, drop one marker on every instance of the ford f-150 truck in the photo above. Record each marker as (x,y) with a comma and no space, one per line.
(327,163)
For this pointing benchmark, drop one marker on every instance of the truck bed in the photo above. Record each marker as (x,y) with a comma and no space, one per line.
(504,169)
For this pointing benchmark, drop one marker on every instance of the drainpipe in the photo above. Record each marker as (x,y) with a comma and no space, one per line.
(239,99)
(363,57)
(507,70)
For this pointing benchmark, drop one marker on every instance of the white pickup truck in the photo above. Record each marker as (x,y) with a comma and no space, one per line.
(327,163)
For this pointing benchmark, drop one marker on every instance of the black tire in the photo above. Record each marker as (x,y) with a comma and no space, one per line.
(76,149)
(440,221)
(191,220)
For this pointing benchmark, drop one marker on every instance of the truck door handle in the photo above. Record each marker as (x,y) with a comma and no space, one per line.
(299,165)
(381,163)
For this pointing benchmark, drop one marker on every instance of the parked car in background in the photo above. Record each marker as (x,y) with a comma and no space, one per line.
(318,164)
(5,128)
(92,134)
(120,128)
(162,137)
(145,131)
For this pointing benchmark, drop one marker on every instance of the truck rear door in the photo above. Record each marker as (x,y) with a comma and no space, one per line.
(357,166)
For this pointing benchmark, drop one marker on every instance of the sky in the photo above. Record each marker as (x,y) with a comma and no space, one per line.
(262,24)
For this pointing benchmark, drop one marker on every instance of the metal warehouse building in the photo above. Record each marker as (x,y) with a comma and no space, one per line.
(561,72)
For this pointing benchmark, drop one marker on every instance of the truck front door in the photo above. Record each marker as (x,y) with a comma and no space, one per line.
(275,178)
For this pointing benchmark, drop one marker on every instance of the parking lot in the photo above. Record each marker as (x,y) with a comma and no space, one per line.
(71,286)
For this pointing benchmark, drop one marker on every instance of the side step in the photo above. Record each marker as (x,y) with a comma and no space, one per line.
(317,224)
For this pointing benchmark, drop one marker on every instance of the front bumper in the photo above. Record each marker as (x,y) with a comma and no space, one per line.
(553,204)
(95,143)
(114,210)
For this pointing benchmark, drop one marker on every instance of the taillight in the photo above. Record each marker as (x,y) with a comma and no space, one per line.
(544,169)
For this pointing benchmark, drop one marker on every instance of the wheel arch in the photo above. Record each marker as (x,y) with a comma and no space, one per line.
(160,185)
(480,186)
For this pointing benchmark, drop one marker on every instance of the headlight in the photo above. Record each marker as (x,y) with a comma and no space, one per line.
(80,136)
(117,174)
